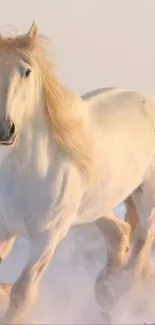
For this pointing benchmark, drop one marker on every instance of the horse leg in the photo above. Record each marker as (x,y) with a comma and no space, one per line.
(6,245)
(145,262)
(24,290)
(137,246)
(117,235)
(144,235)
(131,215)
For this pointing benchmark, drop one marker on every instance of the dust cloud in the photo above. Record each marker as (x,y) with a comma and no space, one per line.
(67,293)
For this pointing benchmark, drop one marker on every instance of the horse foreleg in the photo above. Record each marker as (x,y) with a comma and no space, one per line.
(6,245)
(24,290)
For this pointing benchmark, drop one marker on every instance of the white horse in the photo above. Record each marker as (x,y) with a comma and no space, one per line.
(64,160)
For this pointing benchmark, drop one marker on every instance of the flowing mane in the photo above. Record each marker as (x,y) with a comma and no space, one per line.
(64,109)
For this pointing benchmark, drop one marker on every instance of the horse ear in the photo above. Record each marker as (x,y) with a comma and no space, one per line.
(33,32)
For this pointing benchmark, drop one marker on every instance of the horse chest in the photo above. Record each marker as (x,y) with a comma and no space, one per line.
(24,205)
(32,203)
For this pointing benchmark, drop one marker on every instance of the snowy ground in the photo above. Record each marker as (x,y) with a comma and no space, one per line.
(67,289)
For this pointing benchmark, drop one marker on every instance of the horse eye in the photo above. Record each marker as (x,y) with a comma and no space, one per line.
(27,73)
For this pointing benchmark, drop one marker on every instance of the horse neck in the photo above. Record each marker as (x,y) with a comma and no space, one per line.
(36,146)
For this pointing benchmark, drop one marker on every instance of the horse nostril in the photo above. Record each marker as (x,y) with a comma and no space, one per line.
(12,130)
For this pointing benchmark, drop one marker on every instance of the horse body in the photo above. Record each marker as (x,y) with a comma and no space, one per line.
(72,160)
(32,198)
(119,146)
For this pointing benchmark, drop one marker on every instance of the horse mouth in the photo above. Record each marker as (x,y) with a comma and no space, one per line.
(8,142)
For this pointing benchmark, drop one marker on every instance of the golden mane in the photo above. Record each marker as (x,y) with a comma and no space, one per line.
(64,109)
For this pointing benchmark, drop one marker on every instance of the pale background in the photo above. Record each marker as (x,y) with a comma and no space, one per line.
(96,43)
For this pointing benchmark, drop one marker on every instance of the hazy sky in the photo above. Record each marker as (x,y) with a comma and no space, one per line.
(96,42)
